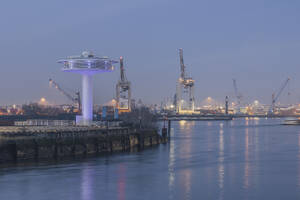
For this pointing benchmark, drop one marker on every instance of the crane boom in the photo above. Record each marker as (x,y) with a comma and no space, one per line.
(123,79)
(54,84)
(237,94)
(182,67)
(235,87)
(276,96)
(281,89)
(75,99)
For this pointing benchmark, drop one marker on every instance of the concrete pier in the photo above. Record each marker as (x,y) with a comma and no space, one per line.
(45,143)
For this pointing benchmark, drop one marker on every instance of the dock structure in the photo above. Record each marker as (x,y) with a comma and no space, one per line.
(19,144)
(188,117)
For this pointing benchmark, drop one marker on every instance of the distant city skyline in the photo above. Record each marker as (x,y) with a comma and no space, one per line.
(256,42)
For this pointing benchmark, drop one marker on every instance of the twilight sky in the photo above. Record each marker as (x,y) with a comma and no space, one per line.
(256,41)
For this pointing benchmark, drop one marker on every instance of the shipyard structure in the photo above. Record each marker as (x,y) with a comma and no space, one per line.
(123,91)
(185,85)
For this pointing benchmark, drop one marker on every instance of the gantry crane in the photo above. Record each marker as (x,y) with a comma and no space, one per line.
(123,90)
(275,96)
(75,99)
(185,84)
(238,95)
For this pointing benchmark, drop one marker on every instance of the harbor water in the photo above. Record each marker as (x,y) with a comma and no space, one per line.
(238,159)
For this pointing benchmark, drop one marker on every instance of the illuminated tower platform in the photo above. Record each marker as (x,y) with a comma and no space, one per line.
(87,65)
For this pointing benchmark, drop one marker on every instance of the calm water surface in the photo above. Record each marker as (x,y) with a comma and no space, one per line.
(240,159)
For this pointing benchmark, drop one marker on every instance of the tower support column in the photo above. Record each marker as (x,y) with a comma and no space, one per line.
(87,98)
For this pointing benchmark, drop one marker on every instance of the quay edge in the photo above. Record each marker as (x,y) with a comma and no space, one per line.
(19,144)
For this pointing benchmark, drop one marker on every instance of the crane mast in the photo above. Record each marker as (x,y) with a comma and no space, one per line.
(238,95)
(122,74)
(182,67)
(276,96)
(123,91)
(75,99)
(184,85)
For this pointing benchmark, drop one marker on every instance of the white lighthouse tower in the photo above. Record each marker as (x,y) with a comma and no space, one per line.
(87,65)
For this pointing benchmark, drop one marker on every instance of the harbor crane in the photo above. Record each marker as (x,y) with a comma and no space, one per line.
(238,95)
(123,91)
(275,96)
(75,99)
(185,84)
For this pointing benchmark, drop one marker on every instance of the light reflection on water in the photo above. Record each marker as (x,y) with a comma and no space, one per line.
(186,125)
(298,157)
(246,182)
(121,182)
(185,154)
(171,165)
(221,171)
(187,183)
(86,183)
(239,159)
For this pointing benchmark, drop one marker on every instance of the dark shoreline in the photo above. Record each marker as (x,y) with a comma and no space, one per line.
(46,144)
(72,160)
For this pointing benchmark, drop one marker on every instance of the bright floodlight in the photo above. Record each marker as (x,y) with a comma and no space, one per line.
(87,64)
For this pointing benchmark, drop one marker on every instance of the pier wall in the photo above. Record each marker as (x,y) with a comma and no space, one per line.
(39,144)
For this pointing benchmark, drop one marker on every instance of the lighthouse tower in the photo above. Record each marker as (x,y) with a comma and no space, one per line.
(87,65)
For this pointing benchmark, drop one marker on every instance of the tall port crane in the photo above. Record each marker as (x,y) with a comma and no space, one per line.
(185,84)
(275,96)
(75,99)
(123,90)
(238,95)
